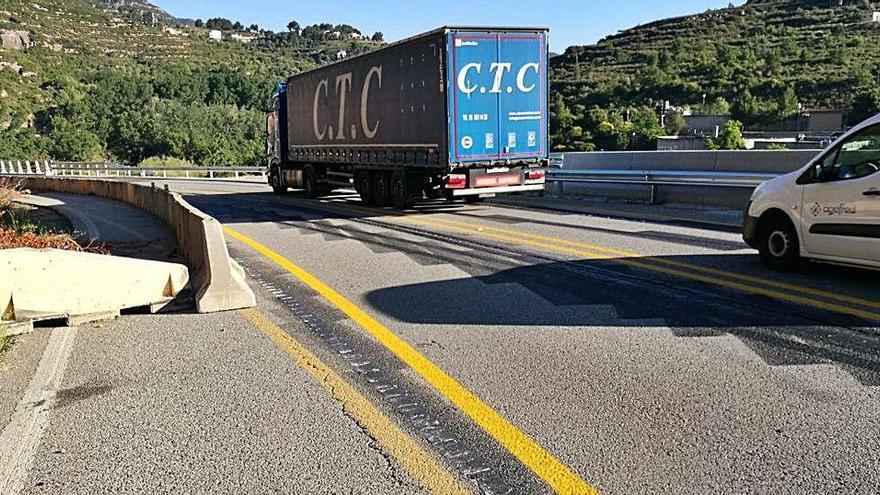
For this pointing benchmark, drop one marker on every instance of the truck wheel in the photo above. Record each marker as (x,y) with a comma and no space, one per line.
(400,192)
(275,182)
(381,189)
(310,185)
(364,186)
(779,246)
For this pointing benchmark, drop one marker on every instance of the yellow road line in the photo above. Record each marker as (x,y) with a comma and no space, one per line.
(679,264)
(417,462)
(869,315)
(559,477)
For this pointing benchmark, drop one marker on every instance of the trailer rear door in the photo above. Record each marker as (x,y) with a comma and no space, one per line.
(522,116)
(497,95)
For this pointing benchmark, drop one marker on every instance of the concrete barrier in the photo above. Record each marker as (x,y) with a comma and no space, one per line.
(52,283)
(218,282)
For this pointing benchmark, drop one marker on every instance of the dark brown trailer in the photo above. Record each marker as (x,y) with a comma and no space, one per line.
(454,112)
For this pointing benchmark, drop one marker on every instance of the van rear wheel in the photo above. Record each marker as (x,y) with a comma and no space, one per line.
(779,246)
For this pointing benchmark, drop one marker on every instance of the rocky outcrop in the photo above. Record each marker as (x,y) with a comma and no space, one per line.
(15,40)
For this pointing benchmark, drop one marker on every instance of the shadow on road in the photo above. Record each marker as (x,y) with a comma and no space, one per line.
(607,294)
(268,207)
(569,288)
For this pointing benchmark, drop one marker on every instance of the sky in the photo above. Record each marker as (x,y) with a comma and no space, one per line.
(571,22)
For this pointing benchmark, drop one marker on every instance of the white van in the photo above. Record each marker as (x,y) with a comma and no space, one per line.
(828,211)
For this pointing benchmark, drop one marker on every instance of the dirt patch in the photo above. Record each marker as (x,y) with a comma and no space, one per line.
(26,226)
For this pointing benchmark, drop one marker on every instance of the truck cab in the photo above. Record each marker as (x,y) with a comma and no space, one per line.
(827,211)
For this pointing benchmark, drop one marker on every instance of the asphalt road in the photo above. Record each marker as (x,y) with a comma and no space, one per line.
(525,350)
(646,357)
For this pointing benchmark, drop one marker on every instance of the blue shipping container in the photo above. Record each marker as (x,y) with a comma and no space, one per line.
(497,91)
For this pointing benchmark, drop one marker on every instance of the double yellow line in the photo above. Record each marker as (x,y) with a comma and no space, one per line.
(806,296)
(547,467)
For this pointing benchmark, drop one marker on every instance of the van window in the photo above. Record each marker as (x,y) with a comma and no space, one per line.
(858,156)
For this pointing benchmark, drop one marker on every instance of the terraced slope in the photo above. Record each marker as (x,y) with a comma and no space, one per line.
(762,58)
(67,47)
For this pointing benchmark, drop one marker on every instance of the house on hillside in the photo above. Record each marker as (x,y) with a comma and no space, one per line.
(215,35)
(245,37)
(341,54)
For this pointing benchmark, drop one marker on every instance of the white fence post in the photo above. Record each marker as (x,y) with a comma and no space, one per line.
(2,167)
(20,170)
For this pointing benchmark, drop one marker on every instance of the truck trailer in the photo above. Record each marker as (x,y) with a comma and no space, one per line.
(458,112)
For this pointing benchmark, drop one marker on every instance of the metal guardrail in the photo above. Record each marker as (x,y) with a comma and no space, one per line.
(660,177)
(31,168)
(657,178)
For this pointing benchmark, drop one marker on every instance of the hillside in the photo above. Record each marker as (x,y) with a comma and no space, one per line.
(122,79)
(760,60)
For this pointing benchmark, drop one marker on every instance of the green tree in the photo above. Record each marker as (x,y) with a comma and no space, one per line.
(745,107)
(675,124)
(786,104)
(561,120)
(219,23)
(646,126)
(866,104)
(730,138)
(72,141)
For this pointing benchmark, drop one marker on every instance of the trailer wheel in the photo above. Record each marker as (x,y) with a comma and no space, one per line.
(364,186)
(381,189)
(433,192)
(401,195)
(310,185)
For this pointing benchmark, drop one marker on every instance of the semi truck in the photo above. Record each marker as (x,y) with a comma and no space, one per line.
(458,112)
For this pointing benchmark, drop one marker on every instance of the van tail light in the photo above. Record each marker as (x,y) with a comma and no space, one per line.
(456,181)
(535,176)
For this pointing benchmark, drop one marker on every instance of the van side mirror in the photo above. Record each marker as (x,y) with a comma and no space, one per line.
(818,172)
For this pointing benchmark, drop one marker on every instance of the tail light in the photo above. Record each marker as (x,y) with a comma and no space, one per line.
(456,181)
(535,175)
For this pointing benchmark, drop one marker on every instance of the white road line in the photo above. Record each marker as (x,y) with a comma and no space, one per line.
(21,437)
